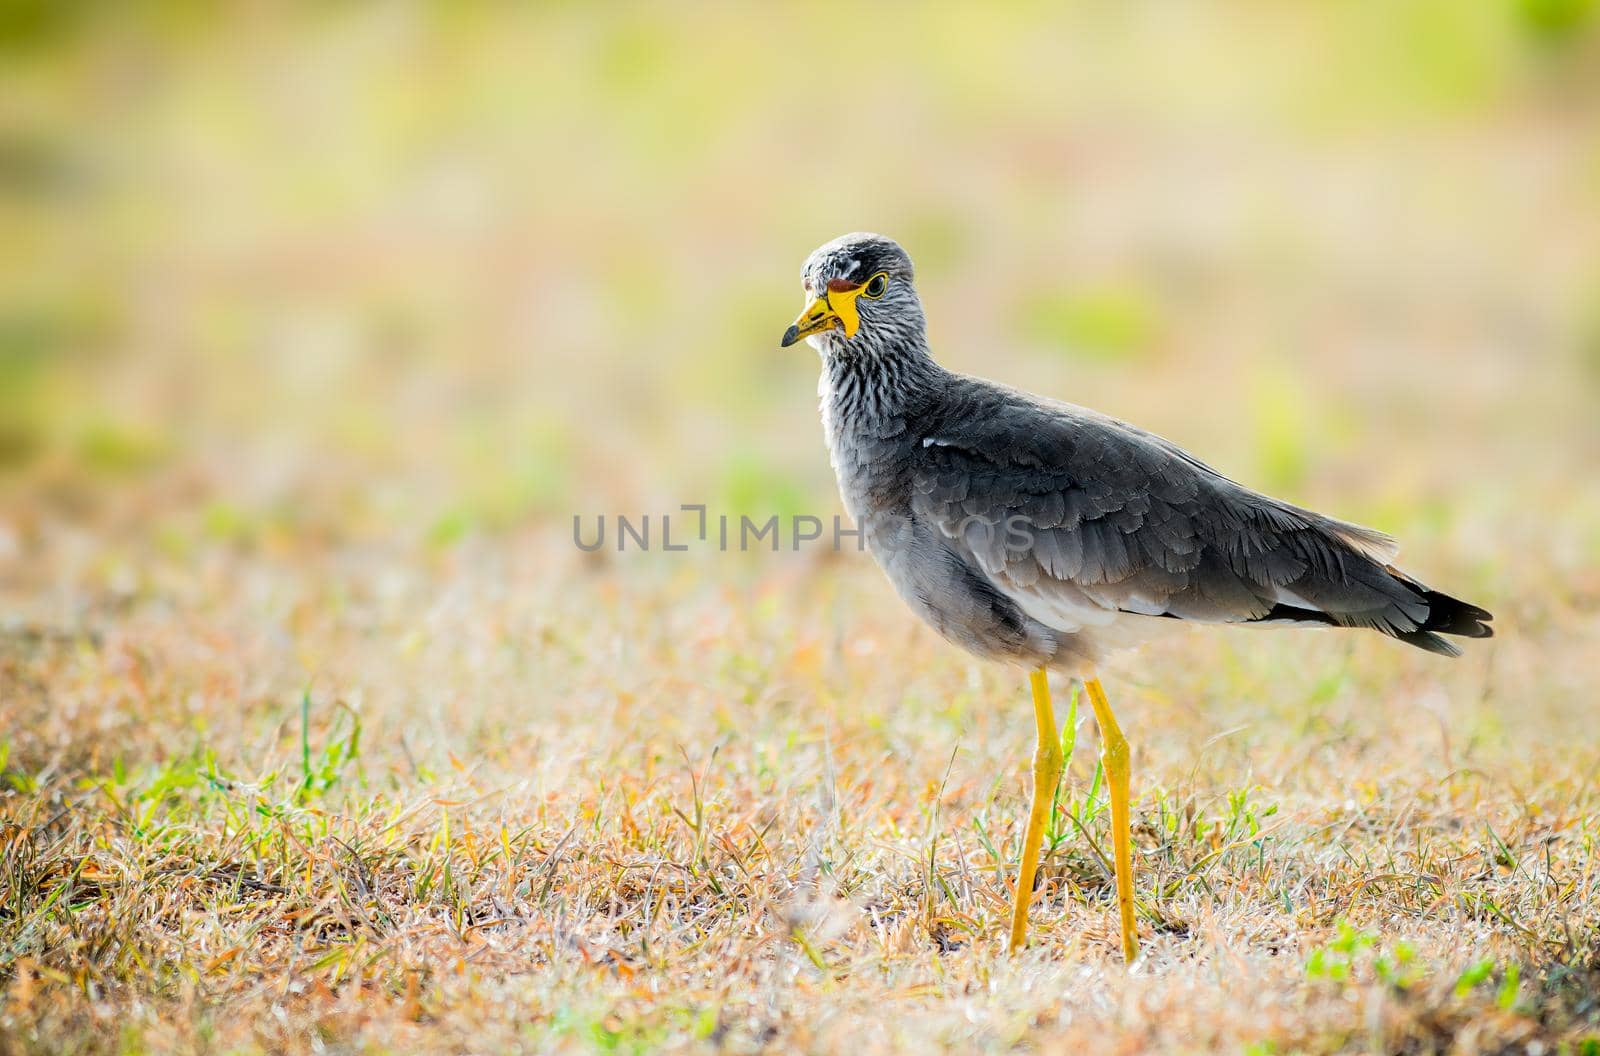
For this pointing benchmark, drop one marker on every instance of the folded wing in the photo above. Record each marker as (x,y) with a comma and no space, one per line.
(1082,519)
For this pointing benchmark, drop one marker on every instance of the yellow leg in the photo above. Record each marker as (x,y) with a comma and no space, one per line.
(1046,772)
(1114,756)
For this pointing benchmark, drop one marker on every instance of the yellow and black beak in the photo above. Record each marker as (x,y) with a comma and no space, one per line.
(835,306)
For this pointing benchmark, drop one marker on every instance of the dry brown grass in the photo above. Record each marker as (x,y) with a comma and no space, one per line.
(766,814)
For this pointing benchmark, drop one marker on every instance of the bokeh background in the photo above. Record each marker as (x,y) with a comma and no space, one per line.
(319,324)
(423,271)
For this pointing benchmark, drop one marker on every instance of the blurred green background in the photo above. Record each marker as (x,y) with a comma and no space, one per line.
(424,271)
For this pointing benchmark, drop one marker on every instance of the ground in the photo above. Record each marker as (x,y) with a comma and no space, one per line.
(699,815)
(319,733)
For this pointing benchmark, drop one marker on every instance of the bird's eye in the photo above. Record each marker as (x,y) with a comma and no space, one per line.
(876,286)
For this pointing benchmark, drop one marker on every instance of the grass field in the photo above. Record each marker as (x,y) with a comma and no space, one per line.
(319,734)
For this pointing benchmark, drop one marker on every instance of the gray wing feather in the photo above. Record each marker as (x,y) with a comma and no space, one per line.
(1068,507)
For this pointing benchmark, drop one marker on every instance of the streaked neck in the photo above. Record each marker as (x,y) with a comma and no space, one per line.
(876,382)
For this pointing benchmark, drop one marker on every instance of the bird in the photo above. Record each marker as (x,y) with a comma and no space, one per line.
(1049,536)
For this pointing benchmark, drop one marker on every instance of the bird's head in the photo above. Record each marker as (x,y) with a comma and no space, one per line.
(858,297)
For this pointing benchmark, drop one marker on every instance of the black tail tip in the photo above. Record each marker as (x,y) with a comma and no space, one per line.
(1447,615)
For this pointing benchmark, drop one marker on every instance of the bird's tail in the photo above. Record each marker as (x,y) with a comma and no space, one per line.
(1446,615)
(1355,584)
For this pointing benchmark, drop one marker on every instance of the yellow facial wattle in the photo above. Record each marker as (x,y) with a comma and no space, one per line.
(833,307)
